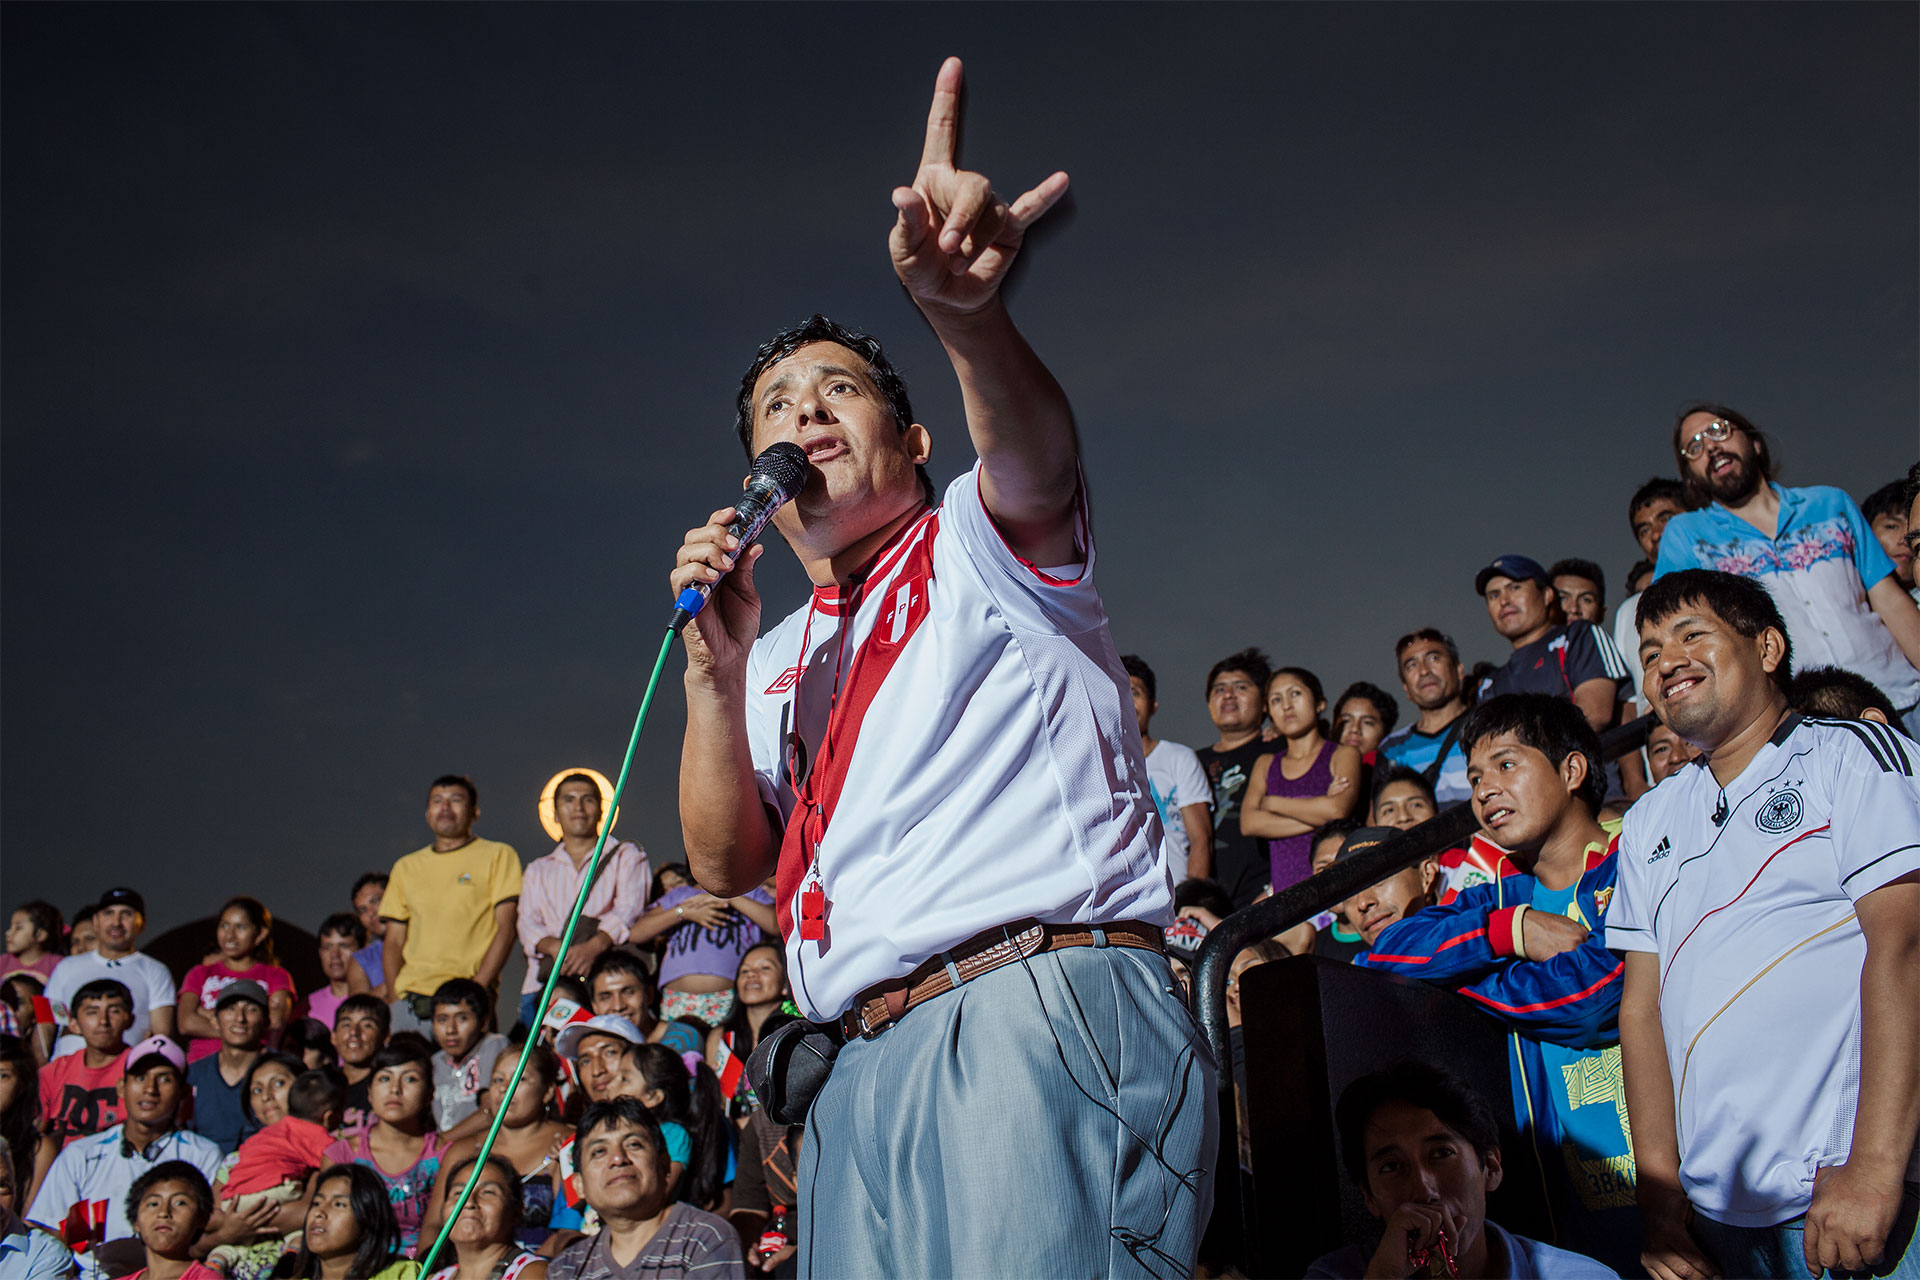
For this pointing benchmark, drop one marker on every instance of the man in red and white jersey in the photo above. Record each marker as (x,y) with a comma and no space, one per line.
(939,754)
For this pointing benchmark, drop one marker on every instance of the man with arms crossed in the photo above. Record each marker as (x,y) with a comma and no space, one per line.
(1769,908)
(939,753)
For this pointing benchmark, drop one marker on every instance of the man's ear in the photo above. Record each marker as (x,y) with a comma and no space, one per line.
(1491,1163)
(1876,715)
(1773,648)
(919,443)
(1573,771)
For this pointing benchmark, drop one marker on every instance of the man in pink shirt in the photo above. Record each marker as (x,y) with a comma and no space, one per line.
(550,885)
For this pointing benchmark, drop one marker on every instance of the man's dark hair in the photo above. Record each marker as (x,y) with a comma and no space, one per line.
(1552,726)
(1382,701)
(575,777)
(1838,694)
(1695,494)
(1452,1101)
(1430,635)
(347,925)
(1890,499)
(1139,670)
(314,1093)
(456,780)
(1339,827)
(102,989)
(462,991)
(367,878)
(1251,663)
(1577,568)
(1386,777)
(892,388)
(369,1004)
(1655,489)
(1741,603)
(1639,567)
(619,960)
(629,1113)
(46,917)
(1206,894)
(171,1171)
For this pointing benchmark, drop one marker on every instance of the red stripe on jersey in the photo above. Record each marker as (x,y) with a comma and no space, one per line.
(903,604)
(1735,898)
(1618,969)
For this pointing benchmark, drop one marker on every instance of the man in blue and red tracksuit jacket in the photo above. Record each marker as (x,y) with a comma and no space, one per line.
(1530,949)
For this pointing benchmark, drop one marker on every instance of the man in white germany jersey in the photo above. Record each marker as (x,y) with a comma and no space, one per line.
(1769,907)
(939,755)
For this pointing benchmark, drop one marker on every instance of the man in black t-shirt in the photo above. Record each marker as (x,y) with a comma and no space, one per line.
(1236,699)
(1572,660)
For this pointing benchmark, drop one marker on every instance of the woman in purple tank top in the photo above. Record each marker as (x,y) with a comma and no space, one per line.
(1307,785)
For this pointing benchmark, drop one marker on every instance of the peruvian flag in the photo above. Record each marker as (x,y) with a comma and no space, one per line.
(732,1069)
(569,1175)
(43,1011)
(85,1225)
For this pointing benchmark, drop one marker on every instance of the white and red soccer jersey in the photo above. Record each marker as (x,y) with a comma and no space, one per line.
(983,763)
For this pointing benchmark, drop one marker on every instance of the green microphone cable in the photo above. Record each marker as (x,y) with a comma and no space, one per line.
(566,941)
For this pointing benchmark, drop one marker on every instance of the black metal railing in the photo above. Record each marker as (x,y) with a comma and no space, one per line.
(1301,902)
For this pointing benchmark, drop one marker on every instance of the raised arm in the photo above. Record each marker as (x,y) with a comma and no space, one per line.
(952,244)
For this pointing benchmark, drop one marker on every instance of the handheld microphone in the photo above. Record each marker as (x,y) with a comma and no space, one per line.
(778,475)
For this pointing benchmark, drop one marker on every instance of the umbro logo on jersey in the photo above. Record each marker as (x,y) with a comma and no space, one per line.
(1660,851)
(786,680)
(1781,812)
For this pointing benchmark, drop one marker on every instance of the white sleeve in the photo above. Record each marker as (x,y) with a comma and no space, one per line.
(1629,924)
(57,1193)
(59,989)
(1052,599)
(160,991)
(763,728)
(1876,807)
(1190,784)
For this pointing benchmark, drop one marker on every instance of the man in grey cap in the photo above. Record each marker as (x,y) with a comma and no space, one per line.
(219,1082)
(1572,660)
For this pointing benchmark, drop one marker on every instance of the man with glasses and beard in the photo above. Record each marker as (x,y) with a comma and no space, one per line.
(1812,549)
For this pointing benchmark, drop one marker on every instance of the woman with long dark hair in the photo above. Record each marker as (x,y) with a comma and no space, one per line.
(245,940)
(19,1108)
(683,1091)
(349,1233)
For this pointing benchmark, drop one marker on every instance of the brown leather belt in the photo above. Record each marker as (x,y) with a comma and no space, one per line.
(884,1003)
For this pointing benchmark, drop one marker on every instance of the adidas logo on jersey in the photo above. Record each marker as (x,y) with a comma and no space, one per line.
(1660,850)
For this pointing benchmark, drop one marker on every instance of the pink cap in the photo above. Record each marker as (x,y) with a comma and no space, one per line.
(160,1045)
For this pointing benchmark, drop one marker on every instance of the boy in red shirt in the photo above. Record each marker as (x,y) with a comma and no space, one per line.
(80,1092)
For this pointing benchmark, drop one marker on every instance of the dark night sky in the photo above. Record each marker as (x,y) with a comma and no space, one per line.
(365,364)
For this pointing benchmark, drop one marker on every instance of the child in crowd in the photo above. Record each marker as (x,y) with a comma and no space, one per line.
(277,1165)
(169,1206)
(34,940)
(245,939)
(359,1033)
(464,1061)
(80,1093)
(341,934)
(401,1145)
(311,1041)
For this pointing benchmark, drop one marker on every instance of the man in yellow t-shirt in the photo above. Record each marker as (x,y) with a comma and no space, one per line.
(450,907)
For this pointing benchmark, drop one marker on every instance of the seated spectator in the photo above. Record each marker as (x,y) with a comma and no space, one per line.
(359,1033)
(1834,694)
(26,1252)
(551,886)
(1307,784)
(621,985)
(341,937)
(80,1093)
(482,1242)
(19,1110)
(624,1177)
(310,1041)
(268,1088)
(706,936)
(530,1140)
(683,1092)
(82,937)
(1333,937)
(1571,660)
(1666,752)
(1363,716)
(34,938)
(1581,589)
(1402,799)
(245,939)
(92,1176)
(1836,589)
(1652,505)
(1639,577)
(17,1016)
(349,1231)
(401,1145)
(760,990)
(368,891)
(219,1082)
(1885,510)
(1424,1149)
(1433,678)
(1531,949)
(464,1061)
(276,1167)
(603,1050)
(1237,703)
(1389,901)
(168,1207)
(116,924)
(1180,789)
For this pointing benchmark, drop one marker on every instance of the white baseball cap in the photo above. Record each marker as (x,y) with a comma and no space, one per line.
(567,1043)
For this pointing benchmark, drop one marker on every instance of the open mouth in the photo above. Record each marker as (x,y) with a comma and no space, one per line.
(1497,816)
(823,448)
(1679,688)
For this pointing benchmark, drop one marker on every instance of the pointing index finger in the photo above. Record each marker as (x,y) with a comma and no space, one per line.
(943,118)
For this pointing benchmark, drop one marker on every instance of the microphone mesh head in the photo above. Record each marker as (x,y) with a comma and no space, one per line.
(785,465)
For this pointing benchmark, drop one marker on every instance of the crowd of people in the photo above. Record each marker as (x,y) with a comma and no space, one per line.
(224,1122)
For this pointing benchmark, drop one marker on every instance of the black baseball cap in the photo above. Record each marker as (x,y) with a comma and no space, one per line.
(1363,839)
(1519,568)
(122,897)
